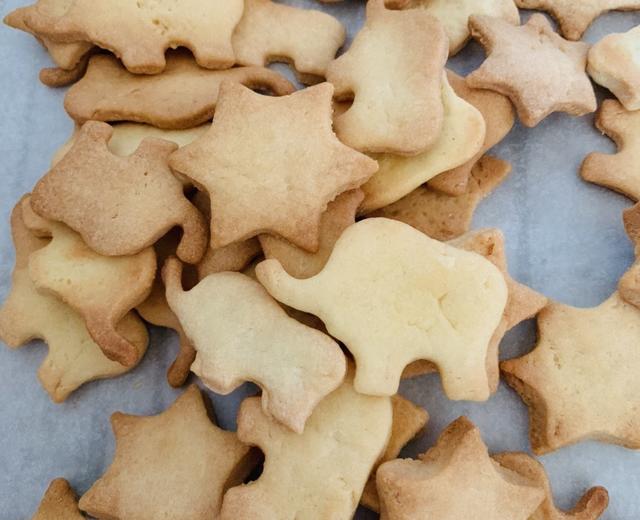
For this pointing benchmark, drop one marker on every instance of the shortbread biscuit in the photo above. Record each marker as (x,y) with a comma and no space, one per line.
(174,465)
(574,17)
(101,289)
(454,16)
(589,507)
(254,340)
(392,295)
(405,51)
(499,117)
(316,475)
(140,32)
(619,171)
(455,480)
(408,420)
(580,382)
(270,31)
(183,96)
(57,77)
(340,214)
(73,357)
(120,206)
(442,216)
(462,137)
(552,78)
(283,182)
(59,503)
(614,63)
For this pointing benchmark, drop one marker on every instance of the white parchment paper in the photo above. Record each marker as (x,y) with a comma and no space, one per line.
(564,238)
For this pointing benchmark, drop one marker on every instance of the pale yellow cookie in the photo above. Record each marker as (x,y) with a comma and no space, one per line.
(392,295)
(316,475)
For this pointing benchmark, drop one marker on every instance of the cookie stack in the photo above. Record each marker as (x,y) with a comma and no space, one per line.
(316,242)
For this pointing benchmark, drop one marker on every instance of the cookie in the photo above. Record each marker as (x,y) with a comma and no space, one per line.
(119,205)
(393,295)
(306,38)
(629,284)
(589,507)
(455,480)
(618,171)
(55,77)
(574,17)
(443,216)
(553,78)
(73,357)
(139,33)
(177,465)
(254,340)
(614,63)
(454,16)
(392,71)
(580,381)
(183,96)
(462,137)
(316,475)
(498,116)
(408,420)
(340,214)
(284,181)
(59,503)
(101,289)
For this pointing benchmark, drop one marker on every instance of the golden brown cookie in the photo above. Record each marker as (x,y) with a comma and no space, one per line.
(340,214)
(59,503)
(455,480)
(619,171)
(283,182)
(140,32)
(306,38)
(553,78)
(393,72)
(119,205)
(73,357)
(254,340)
(183,96)
(498,116)
(177,465)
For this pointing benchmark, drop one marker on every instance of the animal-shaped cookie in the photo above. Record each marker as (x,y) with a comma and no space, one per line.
(614,63)
(574,17)
(617,171)
(139,32)
(393,295)
(119,205)
(271,31)
(283,182)
(405,51)
(254,340)
(101,289)
(73,357)
(499,117)
(553,78)
(59,503)
(462,137)
(183,96)
(340,214)
(320,473)
(177,465)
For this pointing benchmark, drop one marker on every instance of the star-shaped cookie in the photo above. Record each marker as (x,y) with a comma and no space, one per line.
(283,182)
(174,465)
(455,480)
(552,78)
(59,503)
(574,16)
(619,171)
(581,380)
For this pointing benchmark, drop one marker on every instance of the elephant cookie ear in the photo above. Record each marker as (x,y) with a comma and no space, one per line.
(138,197)
(59,501)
